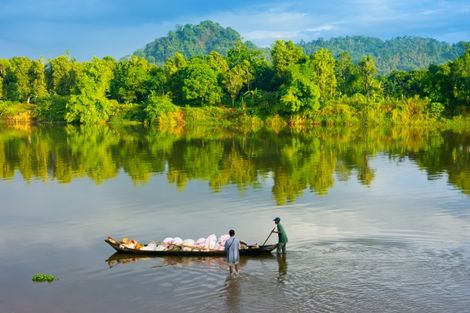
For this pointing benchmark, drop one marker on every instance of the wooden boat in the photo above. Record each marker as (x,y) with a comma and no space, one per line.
(251,250)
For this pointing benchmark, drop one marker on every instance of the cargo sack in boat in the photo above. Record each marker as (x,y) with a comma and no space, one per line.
(161,248)
(188,245)
(174,248)
(211,242)
(223,239)
(136,244)
(151,246)
(130,244)
(177,241)
(201,242)
(188,242)
(168,240)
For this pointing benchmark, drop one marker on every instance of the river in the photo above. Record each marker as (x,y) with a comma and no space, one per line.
(378,220)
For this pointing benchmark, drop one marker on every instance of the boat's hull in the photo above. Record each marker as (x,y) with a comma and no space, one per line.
(251,250)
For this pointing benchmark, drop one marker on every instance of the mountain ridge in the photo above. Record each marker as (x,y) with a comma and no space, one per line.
(398,53)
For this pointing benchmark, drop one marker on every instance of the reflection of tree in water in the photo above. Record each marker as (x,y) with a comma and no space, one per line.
(296,161)
(452,157)
(92,148)
(235,169)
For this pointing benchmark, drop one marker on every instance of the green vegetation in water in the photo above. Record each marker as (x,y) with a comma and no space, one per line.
(41,278)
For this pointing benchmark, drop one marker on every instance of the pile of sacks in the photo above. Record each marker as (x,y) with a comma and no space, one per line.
(130,243)
(211,243)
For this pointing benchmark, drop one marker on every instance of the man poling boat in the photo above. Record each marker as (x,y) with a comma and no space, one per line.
(282,236)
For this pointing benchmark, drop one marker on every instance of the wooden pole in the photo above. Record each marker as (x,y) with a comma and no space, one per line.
(269,236)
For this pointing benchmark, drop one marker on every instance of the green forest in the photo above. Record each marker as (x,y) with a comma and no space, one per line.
(239,84)
(401,53)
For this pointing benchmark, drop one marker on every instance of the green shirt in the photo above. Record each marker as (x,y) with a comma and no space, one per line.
(281,233)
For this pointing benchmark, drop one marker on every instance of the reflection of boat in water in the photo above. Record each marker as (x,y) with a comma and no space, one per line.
(251,250)
(171,260)
(122,258)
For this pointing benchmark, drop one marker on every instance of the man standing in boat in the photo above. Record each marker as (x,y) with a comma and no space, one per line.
(281,245)
(232,248)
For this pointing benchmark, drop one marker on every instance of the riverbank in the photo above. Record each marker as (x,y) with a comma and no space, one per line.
(16,112)
(333,114)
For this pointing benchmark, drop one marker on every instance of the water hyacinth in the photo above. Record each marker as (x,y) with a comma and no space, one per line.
(40,278)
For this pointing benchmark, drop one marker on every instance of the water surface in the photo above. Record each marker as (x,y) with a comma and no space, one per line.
(378,220)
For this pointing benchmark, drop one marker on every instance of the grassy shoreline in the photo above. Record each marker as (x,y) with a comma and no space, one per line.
(232,118)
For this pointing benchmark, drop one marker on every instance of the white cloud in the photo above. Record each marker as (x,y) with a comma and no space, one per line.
(320,28)
(276,22)
(269,35)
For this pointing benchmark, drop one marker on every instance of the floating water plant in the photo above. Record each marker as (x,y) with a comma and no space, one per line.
(40,278)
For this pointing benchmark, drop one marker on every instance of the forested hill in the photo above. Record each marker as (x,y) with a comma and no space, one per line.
(190,40)
(401,53)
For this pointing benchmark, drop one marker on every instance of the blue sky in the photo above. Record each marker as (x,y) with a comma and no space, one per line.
(87,28)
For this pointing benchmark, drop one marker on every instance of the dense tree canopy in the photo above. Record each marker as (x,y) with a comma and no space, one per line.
(90,104)
(323,66)
(318,87)
(401,53)
(24,79)
(200,85)
(131,80)
(191,41)
(397,54)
